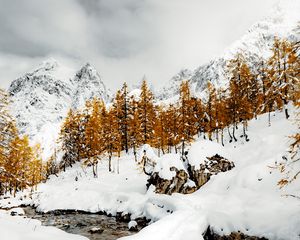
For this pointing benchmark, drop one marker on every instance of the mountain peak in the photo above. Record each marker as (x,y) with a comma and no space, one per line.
(87,73)
(42,97)
(89,85)
(49,64)
(256,44)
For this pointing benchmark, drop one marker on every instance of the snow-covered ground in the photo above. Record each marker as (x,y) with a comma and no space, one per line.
(22,228)
(245,199)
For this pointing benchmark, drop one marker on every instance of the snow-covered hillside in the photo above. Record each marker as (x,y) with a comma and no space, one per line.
(42,98)
(245,199)
(283,21)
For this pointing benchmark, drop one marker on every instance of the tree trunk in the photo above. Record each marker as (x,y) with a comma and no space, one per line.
(233,131)
(222,137)
(109,163)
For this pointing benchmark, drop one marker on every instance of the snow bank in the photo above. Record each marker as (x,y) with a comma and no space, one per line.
(17,228)
(164,164)
(245,199)
(150,153)
(200,150)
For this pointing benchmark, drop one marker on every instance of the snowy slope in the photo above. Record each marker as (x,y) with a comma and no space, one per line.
(42,98)
(255,45)
(245,199)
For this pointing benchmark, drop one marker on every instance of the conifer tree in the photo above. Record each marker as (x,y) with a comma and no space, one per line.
(211,110)
(147,113)
(111,133)
(239,93)
(160,131)
(186,118)
(134,126)
(94,145)
(199,115)
(72,139)
(118,122)
(222,117)
(8,132)
(172,127)
(24,165)
(282,72)
(125,117)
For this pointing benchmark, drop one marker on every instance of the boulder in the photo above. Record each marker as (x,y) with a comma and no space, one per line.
(96,230)
(133,226)
(211,235)
(188,180)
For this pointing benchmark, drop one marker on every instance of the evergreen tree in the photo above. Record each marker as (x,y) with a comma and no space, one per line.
(282,72)
(160,131)
(147,113)
(125,117)
(94,145)
(134,126)
(187,126)
(8,132)
(172,127)
(239,94)
(211,110)
(72,140)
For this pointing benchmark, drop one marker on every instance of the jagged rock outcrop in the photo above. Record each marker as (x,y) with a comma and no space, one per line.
(212,166)
(178,184)
(256,44)
(88,85)
(190,179)
(211,235)
(42,98)
(171,90)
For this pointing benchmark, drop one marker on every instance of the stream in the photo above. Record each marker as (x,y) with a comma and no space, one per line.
(82,223)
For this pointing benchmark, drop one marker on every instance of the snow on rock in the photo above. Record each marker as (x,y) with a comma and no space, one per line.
(255,45)
(245,199)
(132,226)
(200,150)
(96,230)
(175,174)
(166,163)
(147,150)
(89,85)
(170,90)
(42,98)
(16,211)
(17,228)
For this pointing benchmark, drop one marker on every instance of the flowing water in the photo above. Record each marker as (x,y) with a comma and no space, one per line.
(82,223)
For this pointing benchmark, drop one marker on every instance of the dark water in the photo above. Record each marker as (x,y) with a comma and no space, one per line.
(82,223)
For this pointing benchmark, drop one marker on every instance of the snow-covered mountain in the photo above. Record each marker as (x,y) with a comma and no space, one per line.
(172,89)
(89,85)
(42,98)
(283,21)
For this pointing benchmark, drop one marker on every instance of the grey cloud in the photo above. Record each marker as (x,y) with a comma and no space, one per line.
(124,39)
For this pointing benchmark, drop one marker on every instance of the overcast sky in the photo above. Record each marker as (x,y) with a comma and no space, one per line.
(123,39)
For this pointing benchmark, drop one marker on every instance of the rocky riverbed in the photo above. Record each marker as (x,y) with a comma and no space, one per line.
(93,226)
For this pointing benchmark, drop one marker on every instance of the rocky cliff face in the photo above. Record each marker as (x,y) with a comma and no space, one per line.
(42,98)
(191,178)
(255,45)
(89,85)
